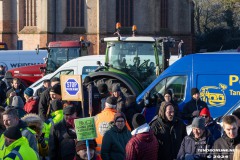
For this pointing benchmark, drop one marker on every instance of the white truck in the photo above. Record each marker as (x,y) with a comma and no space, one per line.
(78,66)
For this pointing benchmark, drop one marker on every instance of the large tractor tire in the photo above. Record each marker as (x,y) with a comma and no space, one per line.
(128,86)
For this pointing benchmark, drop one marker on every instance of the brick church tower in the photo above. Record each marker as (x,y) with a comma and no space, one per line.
(24,24)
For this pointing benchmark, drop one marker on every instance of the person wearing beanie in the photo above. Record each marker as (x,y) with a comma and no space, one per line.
(17,103)
(13,139)
(193,107)
(200,138)
(81,150)
(55,92)
(11,119)
(229,140)
(116,92)
(104,94)
(44,101)
(143,144)
(62,136)
(31,105)
(169,131)
(214,128)
(103,118)
(168,97)
(115,139)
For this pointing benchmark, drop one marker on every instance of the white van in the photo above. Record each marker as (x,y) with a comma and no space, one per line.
(19,58)
(78,66)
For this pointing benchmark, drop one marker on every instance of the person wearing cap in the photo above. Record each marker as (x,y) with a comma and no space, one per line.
(104,94)
(16,146)
(63,135)
(46,85)
(115,139)
(31,105)
(169,131)
(196,144)
(81,150)
(192,108)
(15,90)
(214,128)
(10,119)
(102,120)
(229,140)
(116,92)
(91,97)
(143,144)
(45,99)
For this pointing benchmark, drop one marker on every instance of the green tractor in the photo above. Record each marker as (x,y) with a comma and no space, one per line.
(133,62)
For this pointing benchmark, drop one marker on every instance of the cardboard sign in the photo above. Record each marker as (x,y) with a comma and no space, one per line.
(85,128)
(71,87)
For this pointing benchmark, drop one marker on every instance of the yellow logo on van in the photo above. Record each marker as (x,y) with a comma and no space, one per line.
(214,95)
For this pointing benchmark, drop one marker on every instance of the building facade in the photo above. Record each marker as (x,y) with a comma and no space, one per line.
(25,24)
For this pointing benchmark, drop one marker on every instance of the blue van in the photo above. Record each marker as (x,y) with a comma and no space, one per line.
(216,75)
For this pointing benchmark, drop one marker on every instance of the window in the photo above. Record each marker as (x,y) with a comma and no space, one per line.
(124,12)
(30,13)
(176,84)
(75,13)
(65,72)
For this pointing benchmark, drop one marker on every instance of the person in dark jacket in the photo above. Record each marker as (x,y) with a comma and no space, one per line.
(194,146)
(229,139)
(210,124)
(169,131)
(131,108)
(115,139)
(143,144)
(61,140)
(192,108)
(91,98)
(46,85)
(168,97)
(45,98)
(116,92)
(15,90)
(2,127)
(104,94)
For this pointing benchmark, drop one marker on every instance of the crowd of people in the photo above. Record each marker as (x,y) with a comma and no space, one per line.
(40,125)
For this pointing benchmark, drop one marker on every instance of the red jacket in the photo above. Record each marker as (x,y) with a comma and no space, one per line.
(142,146)
(31,106)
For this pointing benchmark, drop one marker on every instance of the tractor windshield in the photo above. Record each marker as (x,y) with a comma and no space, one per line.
(138,59)
(59,56)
